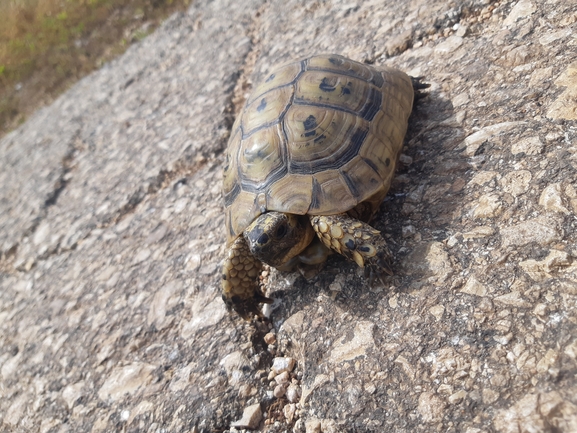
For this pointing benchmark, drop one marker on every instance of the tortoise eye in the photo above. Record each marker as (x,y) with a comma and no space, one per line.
(281,231)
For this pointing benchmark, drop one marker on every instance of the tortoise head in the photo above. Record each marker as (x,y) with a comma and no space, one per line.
(275,237)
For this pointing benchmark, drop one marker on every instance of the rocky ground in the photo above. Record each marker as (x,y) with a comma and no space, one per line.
(112,236)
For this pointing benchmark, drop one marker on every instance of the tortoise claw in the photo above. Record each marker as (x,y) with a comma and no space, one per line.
(247,308)
(419,87)
(378,267)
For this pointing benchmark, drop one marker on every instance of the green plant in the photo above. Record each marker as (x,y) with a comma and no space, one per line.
(45,45)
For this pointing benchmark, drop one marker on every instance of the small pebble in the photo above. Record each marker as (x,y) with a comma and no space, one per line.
(244,391)
(452,241)
(457,397)
(289,412)
(279,391)
(540,310)
(270,338)
(282,364)
(293,393)
(282,378)
(313,426)
(461,31)
(405,159)
(408,231)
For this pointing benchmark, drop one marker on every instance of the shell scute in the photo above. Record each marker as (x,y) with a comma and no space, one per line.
(345,66)
(261,156)
(338,92)
(292,192)
(331,194)
(265,110)
(284,76)
(319,147)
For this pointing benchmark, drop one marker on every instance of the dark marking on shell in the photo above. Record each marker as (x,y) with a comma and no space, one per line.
(230,230)
(319,138)
(317,191)
(310,123)
(371,164)
(298,101)
(373,105)
(256,187)
(343,156)
(376,78)
(388,162)
(364,249)
(358,138)
(252,156)
(261,127)
(262,105)
(325,86)
(270,78)
(229,196)
(351,185)
(350,244)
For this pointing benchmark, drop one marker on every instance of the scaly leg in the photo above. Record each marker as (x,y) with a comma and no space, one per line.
(356,240)
(240,289)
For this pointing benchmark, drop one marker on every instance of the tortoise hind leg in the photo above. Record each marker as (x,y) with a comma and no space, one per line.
(356,240)
(240,289)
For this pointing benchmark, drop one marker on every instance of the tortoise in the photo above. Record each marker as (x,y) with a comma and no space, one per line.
(311,156)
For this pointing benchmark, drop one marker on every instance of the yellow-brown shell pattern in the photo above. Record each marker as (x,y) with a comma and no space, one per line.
(317,137)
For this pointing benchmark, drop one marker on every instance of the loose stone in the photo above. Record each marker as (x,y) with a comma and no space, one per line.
(282,364)
(282,378)
(293,393)
(251,417)
(270,338)
(289,412)
(279,391)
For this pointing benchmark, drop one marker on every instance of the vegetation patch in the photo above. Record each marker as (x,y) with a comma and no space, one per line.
(47,45)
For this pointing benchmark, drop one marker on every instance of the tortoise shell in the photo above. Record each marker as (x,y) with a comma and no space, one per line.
(317,137)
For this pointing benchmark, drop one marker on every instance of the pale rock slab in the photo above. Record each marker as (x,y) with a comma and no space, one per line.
(126,380)
(347,349)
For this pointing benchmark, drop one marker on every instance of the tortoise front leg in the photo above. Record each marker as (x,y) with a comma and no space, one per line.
(356,240)
(240,289)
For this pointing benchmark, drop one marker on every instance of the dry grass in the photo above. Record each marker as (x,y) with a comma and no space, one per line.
(46,45)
